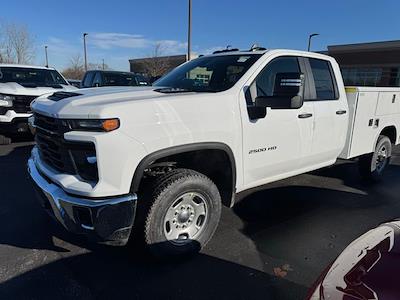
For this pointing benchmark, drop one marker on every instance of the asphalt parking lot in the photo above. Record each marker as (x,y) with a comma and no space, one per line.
(272,245)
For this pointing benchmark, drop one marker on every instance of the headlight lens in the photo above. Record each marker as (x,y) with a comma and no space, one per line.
(106,125)
(6,100)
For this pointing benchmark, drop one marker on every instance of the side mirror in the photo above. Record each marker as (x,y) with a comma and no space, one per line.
(288,92)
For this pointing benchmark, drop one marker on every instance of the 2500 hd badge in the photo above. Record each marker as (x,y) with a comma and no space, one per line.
(263,149)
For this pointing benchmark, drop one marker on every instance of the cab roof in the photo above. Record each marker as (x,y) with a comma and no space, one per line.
(25,66)
(262,52)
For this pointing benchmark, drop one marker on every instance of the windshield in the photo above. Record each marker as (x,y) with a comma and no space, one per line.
(208,73)
(31,77)
(122,79)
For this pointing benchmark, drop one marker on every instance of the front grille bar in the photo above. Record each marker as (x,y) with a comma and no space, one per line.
(64,156)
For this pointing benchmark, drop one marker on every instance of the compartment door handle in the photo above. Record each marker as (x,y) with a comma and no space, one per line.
(341,112)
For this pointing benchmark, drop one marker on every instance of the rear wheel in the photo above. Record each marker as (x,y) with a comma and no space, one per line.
(373,165)
(184,213)
(4,140)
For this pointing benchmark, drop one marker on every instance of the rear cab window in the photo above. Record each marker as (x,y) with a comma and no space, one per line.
(97,79)
(324,79)
(88,79)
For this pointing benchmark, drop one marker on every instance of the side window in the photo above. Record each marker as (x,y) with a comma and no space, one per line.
(325,87)
(268,81)
(97,79)
(87,81)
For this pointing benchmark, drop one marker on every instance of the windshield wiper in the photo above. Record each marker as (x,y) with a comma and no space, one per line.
(171,90)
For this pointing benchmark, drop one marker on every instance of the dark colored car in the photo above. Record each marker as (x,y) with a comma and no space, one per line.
(367,269)
(112,78)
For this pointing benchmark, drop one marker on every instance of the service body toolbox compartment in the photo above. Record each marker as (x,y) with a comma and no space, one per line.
(371,109)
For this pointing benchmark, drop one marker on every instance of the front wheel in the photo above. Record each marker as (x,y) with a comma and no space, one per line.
(184,214)
(373,165)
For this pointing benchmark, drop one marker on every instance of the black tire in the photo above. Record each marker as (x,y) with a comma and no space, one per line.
(4,140)
(373,165)
(161,196)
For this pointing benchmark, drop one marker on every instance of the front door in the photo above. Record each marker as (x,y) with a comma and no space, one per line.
(275,145)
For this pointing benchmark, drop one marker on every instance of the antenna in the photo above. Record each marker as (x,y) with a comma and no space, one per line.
(255,47)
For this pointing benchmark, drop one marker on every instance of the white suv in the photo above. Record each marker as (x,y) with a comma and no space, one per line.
(19,85)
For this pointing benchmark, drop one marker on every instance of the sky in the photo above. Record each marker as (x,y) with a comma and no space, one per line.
(122,29)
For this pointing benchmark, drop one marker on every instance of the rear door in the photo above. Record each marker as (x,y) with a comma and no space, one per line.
(330,112)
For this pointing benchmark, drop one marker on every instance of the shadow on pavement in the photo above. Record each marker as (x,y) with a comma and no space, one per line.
(307,223)
(116,273)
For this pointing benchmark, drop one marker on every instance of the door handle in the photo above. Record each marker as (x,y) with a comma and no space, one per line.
(305,116)
(341,112)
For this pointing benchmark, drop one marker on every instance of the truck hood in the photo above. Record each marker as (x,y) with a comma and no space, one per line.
(13,88)
(97,102)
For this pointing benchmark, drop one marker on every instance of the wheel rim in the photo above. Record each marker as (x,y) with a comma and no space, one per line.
(381,158)
(186,218)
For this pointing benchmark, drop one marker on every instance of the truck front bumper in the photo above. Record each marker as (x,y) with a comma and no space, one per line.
(108,220)
(16,125)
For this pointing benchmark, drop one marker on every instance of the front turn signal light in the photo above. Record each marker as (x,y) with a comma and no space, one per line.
(110,124)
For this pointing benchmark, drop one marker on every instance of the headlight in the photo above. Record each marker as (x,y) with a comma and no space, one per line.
(94,125)
(6,100)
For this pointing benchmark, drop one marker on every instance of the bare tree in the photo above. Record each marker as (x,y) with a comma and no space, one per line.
(5,46)
(156,65)
(95,66)
(75,69)
(16,44)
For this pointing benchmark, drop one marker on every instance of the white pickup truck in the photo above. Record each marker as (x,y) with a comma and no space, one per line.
(19,85)
(160,161)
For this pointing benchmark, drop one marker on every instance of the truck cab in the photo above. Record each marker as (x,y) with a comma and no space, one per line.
(287,140)
(163,159)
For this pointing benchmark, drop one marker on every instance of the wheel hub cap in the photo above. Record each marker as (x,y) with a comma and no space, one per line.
(184,216)
(185,219)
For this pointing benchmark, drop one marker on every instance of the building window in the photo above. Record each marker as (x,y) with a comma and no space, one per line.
(387,77)
(395,77)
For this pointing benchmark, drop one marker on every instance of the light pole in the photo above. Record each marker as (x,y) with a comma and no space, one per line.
(189,31)
(47,58)
(309,40)
(84,49)
(103,64)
